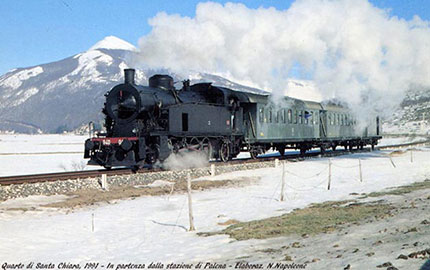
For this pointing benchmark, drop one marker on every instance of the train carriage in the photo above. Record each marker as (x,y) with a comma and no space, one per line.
(148,123)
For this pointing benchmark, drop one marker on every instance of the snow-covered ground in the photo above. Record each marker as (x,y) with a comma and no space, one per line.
(27,154)
(153,228)
(400,140)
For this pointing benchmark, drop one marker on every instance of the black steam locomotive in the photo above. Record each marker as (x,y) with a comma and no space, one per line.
(145,124)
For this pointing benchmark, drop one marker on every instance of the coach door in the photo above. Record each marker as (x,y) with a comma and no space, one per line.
(323,124)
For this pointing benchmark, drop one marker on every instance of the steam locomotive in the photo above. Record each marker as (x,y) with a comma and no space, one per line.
(145,124)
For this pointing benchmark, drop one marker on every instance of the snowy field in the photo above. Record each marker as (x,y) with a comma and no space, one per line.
(27,154)
(154,228)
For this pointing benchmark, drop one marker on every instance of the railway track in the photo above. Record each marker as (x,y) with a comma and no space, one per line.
(49,177)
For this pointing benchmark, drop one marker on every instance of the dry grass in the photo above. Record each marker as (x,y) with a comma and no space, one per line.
(318,218)
(92,196)
(401,190)
(229,222)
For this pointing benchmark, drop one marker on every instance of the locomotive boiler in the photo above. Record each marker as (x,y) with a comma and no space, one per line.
(148,123)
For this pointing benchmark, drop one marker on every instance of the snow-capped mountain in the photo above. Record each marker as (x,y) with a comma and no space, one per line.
(69,93)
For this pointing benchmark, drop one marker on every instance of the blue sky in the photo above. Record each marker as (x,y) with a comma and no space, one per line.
(37,32)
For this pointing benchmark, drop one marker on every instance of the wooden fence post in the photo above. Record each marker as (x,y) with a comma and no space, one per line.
(190,207)
(104,182)
(392,162)
(283,182)
(212,169)
(329,174)
(92,222)
(359,166)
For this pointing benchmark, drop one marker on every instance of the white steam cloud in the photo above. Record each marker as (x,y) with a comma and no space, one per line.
(186,160)
(350,49)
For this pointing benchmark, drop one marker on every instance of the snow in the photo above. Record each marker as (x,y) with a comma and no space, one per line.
(31,201)
(15,80)
(154,228)
(400,140)
(28,154)
(113,43)
(25,95)
(123,66)
(87,68)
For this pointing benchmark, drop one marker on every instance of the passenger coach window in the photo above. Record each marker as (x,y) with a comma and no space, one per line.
(295,116)
(270,115)
(301,117)
(311,121)
(312,118)
(284,120)
(290,116)
(261,115)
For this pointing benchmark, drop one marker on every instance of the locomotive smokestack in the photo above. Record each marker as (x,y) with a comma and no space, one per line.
(129,75)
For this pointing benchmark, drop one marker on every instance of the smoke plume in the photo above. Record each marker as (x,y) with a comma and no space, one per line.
(349,49)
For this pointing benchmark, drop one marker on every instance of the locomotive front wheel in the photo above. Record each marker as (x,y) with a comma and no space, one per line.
(224,152)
